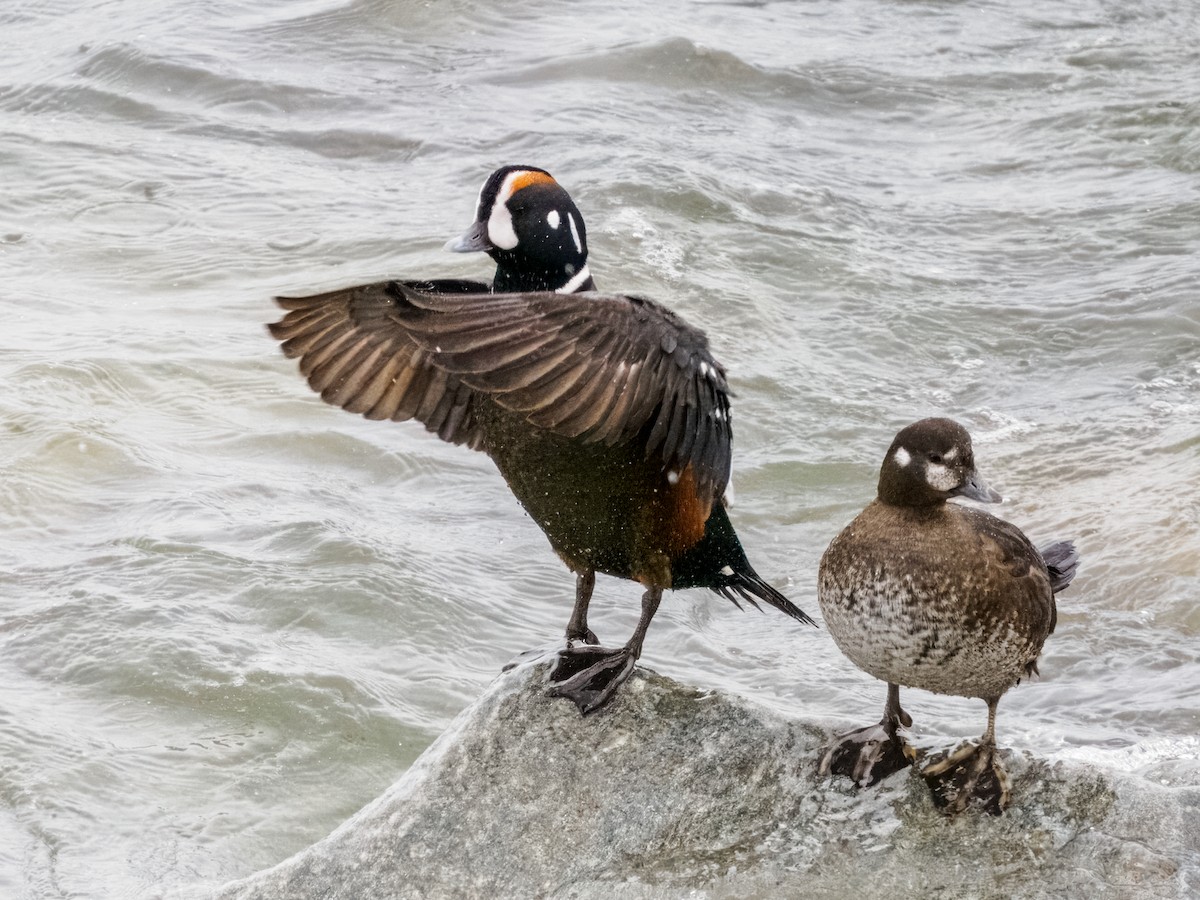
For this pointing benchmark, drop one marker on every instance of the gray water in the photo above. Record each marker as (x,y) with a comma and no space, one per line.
(231,615)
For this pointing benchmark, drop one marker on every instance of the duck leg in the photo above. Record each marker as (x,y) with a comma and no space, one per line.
(871,754)
(590,675)
(577,627)
(973,770)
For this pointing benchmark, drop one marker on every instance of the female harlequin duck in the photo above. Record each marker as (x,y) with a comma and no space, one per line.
(928,594)
(606,414)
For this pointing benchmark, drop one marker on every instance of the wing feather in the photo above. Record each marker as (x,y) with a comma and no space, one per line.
(605,368)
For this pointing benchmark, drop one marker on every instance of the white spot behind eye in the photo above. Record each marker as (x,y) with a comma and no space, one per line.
(902,457)
(950,455)
(553,219)
(672,477)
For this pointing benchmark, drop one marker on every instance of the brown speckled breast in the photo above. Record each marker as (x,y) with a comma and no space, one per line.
(949,599)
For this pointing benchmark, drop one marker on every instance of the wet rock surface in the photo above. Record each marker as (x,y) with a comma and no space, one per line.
(672,792)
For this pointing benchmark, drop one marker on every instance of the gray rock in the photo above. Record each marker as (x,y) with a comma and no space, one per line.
(672,792)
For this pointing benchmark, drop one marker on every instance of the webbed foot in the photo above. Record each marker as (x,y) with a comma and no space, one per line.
(868,755)
(973,771)
(589,675)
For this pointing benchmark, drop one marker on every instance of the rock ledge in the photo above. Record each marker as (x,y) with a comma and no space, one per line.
(672,792)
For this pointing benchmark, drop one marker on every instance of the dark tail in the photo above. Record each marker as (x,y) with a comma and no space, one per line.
(1062,559)
(719,563)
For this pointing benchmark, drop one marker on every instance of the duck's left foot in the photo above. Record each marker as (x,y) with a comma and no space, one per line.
(973,771)
(589,676)
(868,755)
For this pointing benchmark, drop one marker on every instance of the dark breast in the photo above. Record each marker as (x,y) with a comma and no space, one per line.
(605,508)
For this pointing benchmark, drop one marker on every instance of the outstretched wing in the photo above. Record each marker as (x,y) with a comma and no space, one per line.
(356,356)
(600,368)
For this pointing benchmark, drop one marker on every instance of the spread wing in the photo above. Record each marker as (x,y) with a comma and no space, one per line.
(600,368)
(356,357)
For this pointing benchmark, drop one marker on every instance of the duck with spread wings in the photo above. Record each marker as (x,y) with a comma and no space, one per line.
(606,414)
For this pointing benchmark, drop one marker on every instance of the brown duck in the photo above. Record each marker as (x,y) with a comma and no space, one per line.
(928,594)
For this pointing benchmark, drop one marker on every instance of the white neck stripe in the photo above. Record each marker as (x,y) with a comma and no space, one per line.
(573,285)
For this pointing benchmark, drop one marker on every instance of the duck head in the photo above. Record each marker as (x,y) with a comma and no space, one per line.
(929,462)
(531,227)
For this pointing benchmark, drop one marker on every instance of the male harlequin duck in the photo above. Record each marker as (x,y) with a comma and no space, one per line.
(532,229)
(928,594)
(605,413)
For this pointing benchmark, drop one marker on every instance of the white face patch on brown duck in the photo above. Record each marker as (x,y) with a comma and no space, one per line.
(941,478)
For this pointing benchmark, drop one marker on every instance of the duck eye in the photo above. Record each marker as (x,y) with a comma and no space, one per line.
(935,458)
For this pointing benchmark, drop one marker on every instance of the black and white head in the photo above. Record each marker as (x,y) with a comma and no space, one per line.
(530,226)
(929,462)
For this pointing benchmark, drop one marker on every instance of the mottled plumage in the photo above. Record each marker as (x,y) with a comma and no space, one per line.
(928,594)
(945,598)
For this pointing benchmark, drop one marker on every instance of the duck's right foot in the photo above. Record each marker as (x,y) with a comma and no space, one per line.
(972,773)
(868,755)
(589,676)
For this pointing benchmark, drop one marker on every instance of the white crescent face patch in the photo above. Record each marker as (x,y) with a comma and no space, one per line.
(500,224)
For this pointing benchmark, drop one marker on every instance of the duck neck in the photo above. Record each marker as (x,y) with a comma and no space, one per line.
(511,280)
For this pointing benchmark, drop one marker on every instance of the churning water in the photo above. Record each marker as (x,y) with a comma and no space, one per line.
(231,615)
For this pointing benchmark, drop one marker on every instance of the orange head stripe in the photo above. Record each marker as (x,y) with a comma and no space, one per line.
(525,179)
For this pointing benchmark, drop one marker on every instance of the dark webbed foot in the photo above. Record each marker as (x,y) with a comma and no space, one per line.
(973,771)
(871,754)
(589,676)
(868,755)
